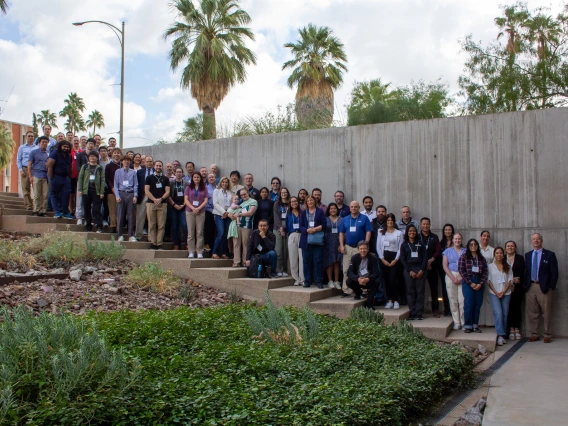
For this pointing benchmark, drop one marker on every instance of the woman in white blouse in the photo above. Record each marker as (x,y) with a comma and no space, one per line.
(389,240)
(500,278)
(221,202)
(486,313)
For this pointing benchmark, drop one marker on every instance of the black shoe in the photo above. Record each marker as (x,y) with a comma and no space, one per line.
(476,330)
(159,248)
(420,318)
(41,214)
(153,247)
(319,286)
(357,297)
(467,330)
(411,319)
(344,295)
(113,230)
(88,228)
(35,214)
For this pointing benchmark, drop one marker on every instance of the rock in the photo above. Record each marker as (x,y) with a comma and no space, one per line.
(113,290)
(18,288)
(76,267)
(2,273)
(89,269)
(473,416)
(42,303)
(482,349)
(47,288)
(456,343)
(75,274)
(76,307)
(222,295)
(58,271)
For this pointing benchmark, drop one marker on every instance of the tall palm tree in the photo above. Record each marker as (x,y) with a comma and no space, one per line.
(317,70)
(74,106)
(210,38)
(46,117)
(4,6)
(95,120)
(6,147)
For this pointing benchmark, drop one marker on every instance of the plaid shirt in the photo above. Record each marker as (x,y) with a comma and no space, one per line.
(465,265)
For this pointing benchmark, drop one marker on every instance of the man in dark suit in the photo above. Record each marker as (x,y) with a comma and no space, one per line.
(364,273)
(541,276)
(141,199)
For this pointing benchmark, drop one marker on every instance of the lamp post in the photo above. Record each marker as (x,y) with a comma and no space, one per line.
(121,40)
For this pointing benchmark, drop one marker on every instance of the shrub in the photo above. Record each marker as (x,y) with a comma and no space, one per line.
(39,244)
(366,315)
(154,277)
(98,250)
(54,367)
(12,254)
(187,293)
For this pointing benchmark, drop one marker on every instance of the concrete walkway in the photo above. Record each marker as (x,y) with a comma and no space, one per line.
(531,388)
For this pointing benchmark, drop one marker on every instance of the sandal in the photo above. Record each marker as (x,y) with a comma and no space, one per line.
(215,256)
(224,256)
(236,265)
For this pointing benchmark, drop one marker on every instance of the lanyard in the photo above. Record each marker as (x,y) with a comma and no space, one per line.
(410,247)
(350,218)
(196,192)
(177,188)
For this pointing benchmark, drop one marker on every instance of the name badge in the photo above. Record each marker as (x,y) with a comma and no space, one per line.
(92,177)
(414,254)
(334,230)
(283,215)
(501,280)
(312,223)
(125,183)
(195,203)
(475,269)
(180,194)
(363,271)
(296,225)
(259,247)
(158,185)
(352,229)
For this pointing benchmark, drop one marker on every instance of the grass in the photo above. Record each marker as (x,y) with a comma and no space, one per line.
(155,278)
(13,255)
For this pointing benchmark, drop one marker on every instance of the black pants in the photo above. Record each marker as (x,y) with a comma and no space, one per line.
(210,230)
(432,277)
(415,294)
(515,313)
(358,290)
(106,213)
(390,277)
(92,208)
(442,274)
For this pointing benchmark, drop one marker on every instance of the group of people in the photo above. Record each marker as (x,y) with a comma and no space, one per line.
(364,252)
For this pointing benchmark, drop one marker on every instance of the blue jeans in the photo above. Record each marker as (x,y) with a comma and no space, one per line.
(500,312)
(60,192)
(313,262)
(178,221)
(270,258)
(473,299)
(221,246)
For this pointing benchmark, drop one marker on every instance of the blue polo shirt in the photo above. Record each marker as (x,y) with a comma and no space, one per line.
(362,225)
(62,163)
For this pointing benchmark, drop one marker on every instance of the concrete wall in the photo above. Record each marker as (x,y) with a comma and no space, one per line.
(501,172)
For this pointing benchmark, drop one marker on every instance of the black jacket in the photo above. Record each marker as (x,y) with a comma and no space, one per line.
(141,176)
(254,241)
(547,270)
(372,267)
(376,228)
(410,263)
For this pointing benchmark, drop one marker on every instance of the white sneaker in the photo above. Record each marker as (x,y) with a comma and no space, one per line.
(145,232)
(200,256)
(105,223)
(121,238)
(284,274)
(132,239)
(279,274)
(389,305)
(504,341)
(337,285)
(396,305)
(456,327)
(191,256)
(296,283)
(499,341)
(330,284)
(79,221)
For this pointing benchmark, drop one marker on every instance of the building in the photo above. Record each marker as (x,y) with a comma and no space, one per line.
(10,178)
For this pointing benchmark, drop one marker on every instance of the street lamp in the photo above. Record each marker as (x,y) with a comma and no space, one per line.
(121,40)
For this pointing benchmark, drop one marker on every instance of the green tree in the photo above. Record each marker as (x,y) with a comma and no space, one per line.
(4,6)
(74,106)
(525,68)
(6,147)
(45,117)
(210,38)
(95,120)
(192,130)
(34,125)
(415,102)
(317,70)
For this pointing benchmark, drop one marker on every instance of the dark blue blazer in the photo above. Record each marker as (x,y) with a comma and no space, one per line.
(319,219)
(547,270)
(141,176)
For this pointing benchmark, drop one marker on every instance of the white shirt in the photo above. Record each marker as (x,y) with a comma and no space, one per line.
(487,254)
(389,242)
(499,279)
(371,215)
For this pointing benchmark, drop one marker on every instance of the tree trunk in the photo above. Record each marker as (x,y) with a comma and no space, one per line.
(209,125)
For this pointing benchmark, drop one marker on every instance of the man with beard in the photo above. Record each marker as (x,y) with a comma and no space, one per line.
(59,170)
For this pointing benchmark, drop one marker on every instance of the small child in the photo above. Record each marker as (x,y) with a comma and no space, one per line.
(233,231)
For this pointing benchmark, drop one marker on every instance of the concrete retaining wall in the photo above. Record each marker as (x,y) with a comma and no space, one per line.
(501,172)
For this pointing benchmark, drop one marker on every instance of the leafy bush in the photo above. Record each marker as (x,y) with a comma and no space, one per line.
(202,366)
(154,277)
(12,254)
(98,250)
(39,244)
(366,315)
(57,369)
(64,251)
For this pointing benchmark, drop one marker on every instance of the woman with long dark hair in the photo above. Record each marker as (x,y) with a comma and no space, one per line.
(195,198)
(450,261)
(446,242)
(517,264)
(332,257)
(280,213)
(389,240)
(500,280)
(414,260)
(294,235)
(473,269)
(221,203)
(486,313)
(312,223)
(265,209)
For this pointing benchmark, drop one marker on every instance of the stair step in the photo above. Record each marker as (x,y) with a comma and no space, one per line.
(298,295)
(46,219)
(435,328)
(10,194)
(338,306)
(487,338)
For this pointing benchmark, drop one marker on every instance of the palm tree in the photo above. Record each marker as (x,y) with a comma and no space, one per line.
(210,38)
(4,6)
(317,70)
(95,120)
(366,93)
(6,147)
(74,106)
(45,117)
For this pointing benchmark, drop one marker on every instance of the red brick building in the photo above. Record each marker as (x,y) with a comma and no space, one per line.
(10,178)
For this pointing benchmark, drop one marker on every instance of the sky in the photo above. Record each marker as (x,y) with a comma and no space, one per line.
(43,57)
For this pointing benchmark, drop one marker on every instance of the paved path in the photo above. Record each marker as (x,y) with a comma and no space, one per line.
(531,388)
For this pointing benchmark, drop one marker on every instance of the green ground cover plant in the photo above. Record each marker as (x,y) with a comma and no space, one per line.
(155,278)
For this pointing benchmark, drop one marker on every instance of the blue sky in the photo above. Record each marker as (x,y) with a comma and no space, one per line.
(45,58)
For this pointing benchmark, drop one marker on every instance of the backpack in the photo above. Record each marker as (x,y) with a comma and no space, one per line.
(255,263)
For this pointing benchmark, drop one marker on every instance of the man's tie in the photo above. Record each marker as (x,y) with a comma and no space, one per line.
(534,269)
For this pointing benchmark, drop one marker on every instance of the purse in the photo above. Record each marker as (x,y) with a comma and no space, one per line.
(316,238)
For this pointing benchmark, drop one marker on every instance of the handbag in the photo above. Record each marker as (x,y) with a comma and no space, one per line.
(316,239)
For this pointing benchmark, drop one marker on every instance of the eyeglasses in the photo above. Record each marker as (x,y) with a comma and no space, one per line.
(473,244)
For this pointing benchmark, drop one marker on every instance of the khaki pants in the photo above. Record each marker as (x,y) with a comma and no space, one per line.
(241,241)
(26,191)
(195,227)
(282,251)
(349,253)
(296,259)
(537,303)
(156,222)
(111,202)
(141,217)
(41,188)
(455,296)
